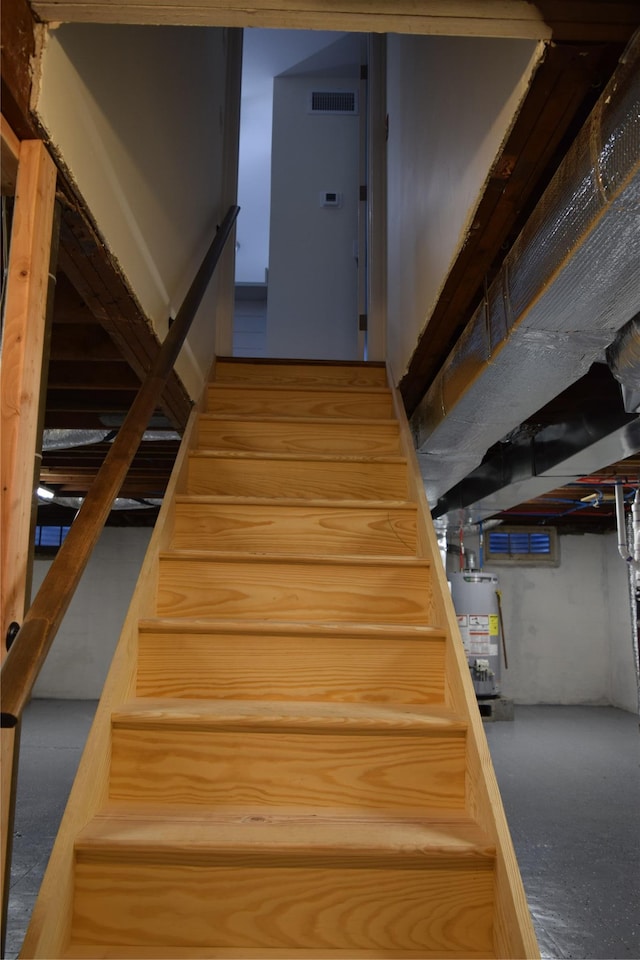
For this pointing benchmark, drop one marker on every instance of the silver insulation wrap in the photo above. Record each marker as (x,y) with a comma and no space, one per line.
(623,357)
(570,282)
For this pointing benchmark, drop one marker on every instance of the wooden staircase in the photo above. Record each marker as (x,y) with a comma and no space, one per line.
(287,760)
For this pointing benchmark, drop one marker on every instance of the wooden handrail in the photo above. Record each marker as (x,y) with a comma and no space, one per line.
(31,645)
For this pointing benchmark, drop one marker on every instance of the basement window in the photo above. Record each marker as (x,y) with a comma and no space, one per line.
(49,538)
(533,546)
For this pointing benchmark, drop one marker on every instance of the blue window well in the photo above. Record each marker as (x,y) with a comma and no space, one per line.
(50,536)
(522,545)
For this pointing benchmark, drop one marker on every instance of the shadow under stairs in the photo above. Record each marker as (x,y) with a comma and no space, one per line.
(287,760)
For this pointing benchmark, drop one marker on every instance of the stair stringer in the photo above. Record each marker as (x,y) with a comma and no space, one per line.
(48,933)
(514,936)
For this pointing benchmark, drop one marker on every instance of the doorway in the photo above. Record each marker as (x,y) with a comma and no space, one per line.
(300,250)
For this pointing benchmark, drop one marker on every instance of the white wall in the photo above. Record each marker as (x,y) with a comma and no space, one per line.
(77,665)
(136,114)
(568,628)
(451,102)
(266,54)
(312,308)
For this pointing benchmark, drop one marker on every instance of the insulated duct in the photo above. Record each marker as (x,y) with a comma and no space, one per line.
(623,357)
(570,282)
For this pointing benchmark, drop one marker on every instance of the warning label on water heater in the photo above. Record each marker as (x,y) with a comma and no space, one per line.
(463,624)
(478,630)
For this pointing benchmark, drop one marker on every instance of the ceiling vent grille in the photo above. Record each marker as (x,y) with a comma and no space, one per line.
(334,101)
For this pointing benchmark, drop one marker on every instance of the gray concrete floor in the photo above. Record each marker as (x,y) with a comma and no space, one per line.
(570,781)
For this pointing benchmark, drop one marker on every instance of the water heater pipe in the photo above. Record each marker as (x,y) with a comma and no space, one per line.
(635,523)
(501,619)
(623,546)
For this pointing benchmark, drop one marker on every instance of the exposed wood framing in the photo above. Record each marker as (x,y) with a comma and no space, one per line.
(468,17)
(562,19)
(566,85)
(22,360)
(17,52)
(23,349)
(89,267)
(10,157)
(85,259)
(9,751)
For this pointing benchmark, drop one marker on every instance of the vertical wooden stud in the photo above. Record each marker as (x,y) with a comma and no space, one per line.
(22,355)
(23,346)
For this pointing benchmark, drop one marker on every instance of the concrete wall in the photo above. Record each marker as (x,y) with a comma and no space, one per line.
(568,628)
(77,665)
(451,102)
(136,113)
(312,306)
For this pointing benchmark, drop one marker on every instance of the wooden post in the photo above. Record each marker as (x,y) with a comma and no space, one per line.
(23,345)
(22,354)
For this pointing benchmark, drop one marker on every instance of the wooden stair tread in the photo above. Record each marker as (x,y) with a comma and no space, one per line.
(92,951)
(267,370)
(341,403)
(300,716)
(296,457)
(304,387)
(402,631)
(237,556)
(184,835)
(305,420)
(205,499)
(299,434)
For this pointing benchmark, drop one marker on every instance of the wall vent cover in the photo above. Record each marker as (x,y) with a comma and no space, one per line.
(334,101)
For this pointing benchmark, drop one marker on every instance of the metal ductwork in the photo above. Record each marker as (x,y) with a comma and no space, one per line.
(623,357)
(529,468)
(570,282)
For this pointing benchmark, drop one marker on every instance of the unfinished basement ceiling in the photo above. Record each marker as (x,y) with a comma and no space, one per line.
(587,45)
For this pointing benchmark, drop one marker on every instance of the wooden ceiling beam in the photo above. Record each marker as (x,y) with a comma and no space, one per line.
(9,157)
(76,419)
(517,18)
(69,307)
(19,30)
(81,342)
(575,20)
(92,401)
(91,375)
(141,483)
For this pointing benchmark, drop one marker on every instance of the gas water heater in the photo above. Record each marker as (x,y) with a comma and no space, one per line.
(475,598)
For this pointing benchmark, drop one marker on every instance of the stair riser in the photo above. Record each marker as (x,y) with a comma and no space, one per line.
(262,402)
(307,480)
(334,438)
(445,910)
(287,529)
(344,669)
(306,768)
(304,591)
(322,375)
